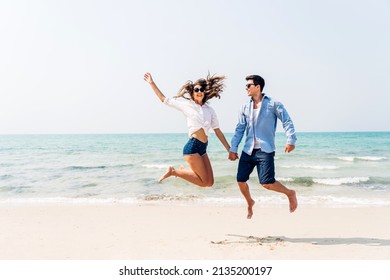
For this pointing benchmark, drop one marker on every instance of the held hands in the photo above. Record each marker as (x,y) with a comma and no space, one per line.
(233,156)
(148,78)
(289,148)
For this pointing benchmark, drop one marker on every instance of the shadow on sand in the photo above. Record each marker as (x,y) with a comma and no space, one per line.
(242,239)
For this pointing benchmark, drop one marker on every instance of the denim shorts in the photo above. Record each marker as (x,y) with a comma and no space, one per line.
(264,163)
(194,146)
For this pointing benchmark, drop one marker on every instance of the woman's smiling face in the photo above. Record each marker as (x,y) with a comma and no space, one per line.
(198,94)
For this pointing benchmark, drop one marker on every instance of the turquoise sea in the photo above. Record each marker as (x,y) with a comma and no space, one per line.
(326,169)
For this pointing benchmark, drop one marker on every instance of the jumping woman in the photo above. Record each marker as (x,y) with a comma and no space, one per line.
(201,118)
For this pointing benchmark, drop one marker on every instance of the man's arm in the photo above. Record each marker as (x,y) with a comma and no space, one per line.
(239,131)
(288,126)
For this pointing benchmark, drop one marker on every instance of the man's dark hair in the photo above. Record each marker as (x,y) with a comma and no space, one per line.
(257,80)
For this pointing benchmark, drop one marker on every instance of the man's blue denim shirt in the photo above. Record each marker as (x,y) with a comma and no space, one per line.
(265,128)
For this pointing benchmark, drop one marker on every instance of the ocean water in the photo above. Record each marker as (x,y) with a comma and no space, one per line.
(326,169)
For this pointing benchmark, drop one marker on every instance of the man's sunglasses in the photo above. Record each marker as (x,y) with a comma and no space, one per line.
(199,89)
(249,85)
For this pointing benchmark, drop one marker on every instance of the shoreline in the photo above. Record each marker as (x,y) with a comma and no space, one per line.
(194,232)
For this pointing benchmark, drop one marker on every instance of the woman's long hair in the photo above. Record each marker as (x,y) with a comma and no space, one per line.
(213,87)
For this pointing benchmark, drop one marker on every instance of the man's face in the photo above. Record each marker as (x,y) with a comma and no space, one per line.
(252,89)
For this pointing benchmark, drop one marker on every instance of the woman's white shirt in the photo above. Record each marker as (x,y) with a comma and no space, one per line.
(197,116)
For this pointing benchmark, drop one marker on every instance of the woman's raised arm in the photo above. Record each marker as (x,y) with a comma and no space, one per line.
(148,78)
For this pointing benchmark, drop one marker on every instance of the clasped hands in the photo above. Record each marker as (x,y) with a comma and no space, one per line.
(233,156)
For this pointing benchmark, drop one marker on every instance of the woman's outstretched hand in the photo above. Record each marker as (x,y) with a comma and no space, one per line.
(148,78)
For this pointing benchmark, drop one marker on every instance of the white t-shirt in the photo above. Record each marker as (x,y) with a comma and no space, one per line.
(197,116)
(256,113)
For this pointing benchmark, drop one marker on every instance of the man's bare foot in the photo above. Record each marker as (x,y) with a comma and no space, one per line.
(169,173)
(292,198)
(250,210)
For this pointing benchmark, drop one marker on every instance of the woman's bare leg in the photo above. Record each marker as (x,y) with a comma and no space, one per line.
(209,170)
(167,174)
(201,172)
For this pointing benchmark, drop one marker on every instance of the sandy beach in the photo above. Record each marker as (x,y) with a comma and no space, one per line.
(195,232)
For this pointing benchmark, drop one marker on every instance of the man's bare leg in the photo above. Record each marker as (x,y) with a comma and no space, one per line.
(244,188)
(291,195)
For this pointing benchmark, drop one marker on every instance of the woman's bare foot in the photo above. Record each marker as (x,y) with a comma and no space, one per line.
(250,210)
(169,173)
(292,198)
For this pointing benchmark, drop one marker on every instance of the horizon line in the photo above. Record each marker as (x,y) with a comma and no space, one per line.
(129,133)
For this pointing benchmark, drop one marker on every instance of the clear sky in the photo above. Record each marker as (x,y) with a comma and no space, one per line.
(77,66)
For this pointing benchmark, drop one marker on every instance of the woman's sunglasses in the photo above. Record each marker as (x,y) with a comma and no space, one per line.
(199,89)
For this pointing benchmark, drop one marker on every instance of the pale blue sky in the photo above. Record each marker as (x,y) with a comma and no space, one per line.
(77,66)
